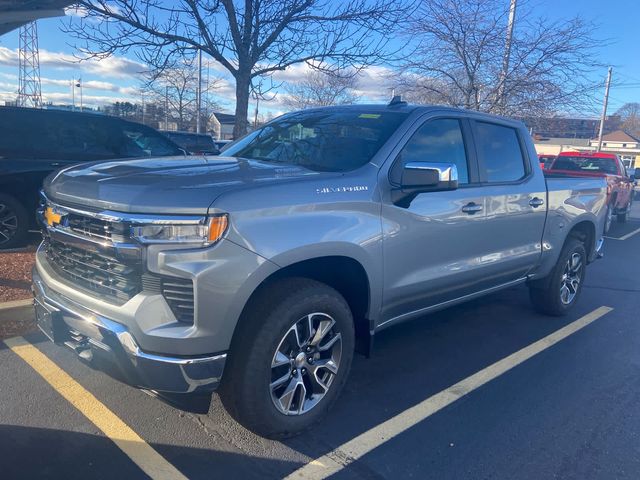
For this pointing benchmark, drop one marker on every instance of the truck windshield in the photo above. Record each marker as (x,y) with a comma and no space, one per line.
(586,164)
(329,140)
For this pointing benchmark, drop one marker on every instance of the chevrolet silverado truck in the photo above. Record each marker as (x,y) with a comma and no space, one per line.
(620,186)
(261,271)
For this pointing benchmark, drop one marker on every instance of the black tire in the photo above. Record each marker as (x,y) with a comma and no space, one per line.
(14,222)
(546,295)
(246,390)
(623,217)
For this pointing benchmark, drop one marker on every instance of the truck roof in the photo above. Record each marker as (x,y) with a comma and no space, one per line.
(409,108)
(588,154)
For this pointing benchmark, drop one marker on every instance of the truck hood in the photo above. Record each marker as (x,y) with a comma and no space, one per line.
(170,185)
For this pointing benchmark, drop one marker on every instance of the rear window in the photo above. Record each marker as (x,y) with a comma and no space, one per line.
(500,152)
(586,164)
(321,140)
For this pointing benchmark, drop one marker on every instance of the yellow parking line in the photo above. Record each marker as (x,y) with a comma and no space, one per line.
(364,443)
(150,461)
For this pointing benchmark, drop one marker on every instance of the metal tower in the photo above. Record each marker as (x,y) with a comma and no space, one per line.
(29,92)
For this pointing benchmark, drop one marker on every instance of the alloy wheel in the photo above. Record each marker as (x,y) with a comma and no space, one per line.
(571,278)
(8,223)
(305,364)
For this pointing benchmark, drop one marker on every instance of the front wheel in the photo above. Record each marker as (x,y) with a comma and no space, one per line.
(291,358)
(559,292)
(14,222)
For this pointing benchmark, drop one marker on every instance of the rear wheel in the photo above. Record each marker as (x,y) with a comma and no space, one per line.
(14,222)
(291,358)
(559,292)
(623,217)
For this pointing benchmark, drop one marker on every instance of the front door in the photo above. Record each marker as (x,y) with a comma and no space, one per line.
(436,248)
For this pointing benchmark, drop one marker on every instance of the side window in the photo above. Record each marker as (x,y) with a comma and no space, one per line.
(436,141)
(500,152)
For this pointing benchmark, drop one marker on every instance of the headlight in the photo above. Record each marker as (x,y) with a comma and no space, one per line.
(203,233)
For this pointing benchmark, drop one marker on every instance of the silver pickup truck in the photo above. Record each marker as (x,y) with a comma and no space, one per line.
(262,271)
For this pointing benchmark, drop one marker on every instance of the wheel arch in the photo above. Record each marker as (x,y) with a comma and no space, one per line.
(343,273)
(585,231)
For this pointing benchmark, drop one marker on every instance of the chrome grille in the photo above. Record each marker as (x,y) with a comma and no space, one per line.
(95,271)
(96,227)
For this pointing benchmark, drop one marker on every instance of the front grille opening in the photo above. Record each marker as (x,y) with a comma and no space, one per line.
(97,228)
(95,271)
(178,293)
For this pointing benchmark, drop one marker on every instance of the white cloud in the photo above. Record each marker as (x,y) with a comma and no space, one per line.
(111,67)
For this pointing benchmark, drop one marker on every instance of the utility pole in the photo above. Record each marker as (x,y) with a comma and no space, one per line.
(604,108)
(79,85)
(255,118)
(166,107)
(507,55)
(73,95)
(199,92)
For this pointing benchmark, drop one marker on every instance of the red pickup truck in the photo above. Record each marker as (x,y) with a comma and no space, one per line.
(597,164)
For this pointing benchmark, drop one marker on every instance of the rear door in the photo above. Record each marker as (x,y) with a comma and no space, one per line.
(515,203)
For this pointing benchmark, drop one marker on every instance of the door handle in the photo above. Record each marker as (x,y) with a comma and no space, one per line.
(55,164)
(536,202)
(472,208)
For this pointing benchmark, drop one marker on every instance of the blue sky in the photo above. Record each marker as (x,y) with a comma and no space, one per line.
(115,78)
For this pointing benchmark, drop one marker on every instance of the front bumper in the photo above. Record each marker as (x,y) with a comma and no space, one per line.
(111,347)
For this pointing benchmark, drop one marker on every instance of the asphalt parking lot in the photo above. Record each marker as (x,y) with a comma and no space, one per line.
(443,397)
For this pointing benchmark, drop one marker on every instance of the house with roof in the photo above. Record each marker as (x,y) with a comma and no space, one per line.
(222,125)
(627,146)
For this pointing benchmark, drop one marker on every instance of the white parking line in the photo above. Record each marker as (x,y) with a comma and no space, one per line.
(364,443)
(631,234)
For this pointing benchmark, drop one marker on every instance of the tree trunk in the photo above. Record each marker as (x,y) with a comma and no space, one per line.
(243,81)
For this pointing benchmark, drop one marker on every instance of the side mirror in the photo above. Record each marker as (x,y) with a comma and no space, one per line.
(419,177)
(424,176)
(636,174)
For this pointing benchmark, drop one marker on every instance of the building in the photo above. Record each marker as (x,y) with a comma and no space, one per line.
(565,127)
(222,125)
(555,145)
(619,142)
(624,144)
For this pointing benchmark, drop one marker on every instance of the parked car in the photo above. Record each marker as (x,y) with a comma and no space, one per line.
(545,160)
(222,144)
(194,143)
(264,270)
(36,142)
(605,165)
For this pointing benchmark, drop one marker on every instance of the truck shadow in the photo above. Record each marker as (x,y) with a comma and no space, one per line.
(32,452)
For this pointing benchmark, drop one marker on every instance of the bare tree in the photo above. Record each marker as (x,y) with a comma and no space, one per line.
(177,88)
(251,39)
(321,89)
(459,54)
(630,115)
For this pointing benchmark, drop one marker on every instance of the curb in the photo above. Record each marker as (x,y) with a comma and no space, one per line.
(17,310)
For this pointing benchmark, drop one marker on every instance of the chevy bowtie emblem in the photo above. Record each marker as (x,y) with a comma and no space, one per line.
(52,217)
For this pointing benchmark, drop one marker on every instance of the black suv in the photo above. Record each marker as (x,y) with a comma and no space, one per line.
(34,143)
(194,143)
